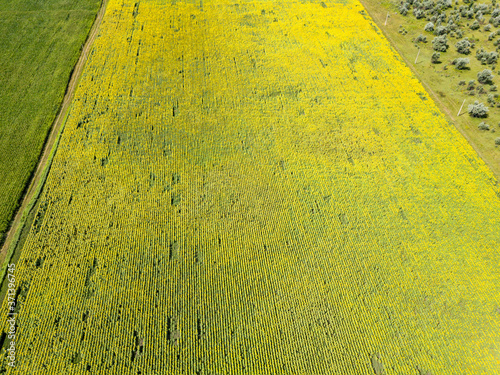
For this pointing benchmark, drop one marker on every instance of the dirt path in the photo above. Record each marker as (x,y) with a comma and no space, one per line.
(380,22)
(56,126)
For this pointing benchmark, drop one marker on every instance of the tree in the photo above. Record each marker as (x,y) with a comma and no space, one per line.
(429,27)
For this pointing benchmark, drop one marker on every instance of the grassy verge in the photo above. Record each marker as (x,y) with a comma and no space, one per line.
(442,80)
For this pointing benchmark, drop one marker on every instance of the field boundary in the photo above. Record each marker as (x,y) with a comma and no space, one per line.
(446,111)
(39,176)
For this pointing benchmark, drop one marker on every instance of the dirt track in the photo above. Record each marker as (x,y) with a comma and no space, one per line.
(56,126)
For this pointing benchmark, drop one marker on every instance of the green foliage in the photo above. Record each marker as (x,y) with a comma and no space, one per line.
(481,9)
(495,21)
(429,27)
(421,38)
(463,46)
(440,43)
(418,13)
(491,100)
(441,30)
(483,126)
(478,110)
(461,63)
(485,76)
(435,57)
(486,57)
(475,25)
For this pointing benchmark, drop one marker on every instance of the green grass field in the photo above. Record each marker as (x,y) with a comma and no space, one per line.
(40,43)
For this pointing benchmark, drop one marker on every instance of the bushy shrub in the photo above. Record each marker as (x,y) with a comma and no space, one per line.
(497,141)
(463,46)
(429,27)
(403,10)
(478,110)
(492,58)
(421,38)
(418,13)
(470,14)
(440,43)
(487,27)
(483,126)
(491,100)
(493,88)
(428,4)
(481,8)
(435,57)
(495,21)
(485,76)
(461,83)
(441,30)
(474,26)
(487,57)
(461,63)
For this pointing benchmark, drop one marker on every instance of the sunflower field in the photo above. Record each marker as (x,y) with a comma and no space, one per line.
(257,187)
